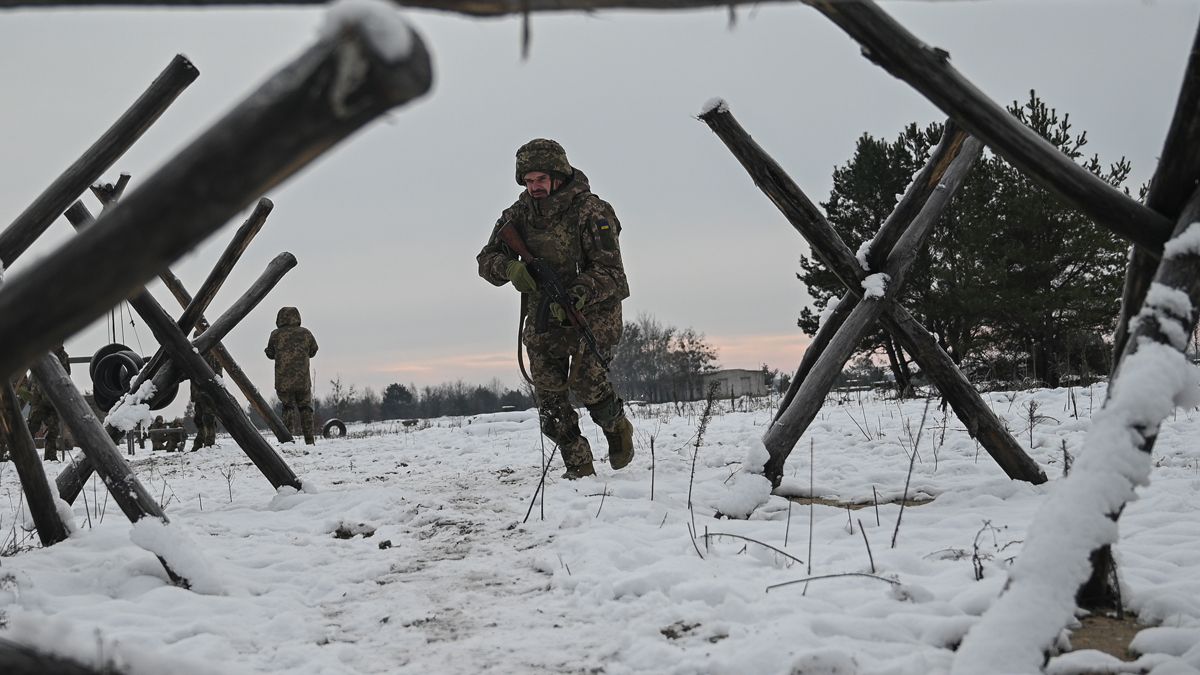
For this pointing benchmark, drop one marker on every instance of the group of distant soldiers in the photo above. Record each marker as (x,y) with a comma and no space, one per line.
(290,346)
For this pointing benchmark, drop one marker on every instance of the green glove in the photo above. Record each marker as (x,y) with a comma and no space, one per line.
(519,275)
(578,295)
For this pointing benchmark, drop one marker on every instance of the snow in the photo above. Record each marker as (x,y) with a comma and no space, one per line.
(132,410)
(1073,521)
(864,250)
(1186,243)
(414,557)
(875,285)
(390,35)
(718,104)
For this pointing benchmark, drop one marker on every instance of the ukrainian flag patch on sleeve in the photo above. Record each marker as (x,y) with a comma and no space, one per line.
(605,233)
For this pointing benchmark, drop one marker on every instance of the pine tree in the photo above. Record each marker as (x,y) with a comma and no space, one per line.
(1013,282)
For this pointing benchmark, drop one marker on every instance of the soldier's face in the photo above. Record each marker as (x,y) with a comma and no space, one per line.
(538,184)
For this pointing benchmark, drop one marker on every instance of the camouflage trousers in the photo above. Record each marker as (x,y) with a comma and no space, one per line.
(298,412)
(47,415)
(561,365)
(205,418)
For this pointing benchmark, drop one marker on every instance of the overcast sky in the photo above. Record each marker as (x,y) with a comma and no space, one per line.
(386,226)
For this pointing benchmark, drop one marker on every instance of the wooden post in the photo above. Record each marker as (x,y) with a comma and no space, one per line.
(928,70)
(18,659)
(21,448)
(333,89)
(195,368)
(170,372)
(71,479)
(232,369)
(126,490)
(909,206)
(1177,174)
(1162,330)
(783,435)
(194,309)
(80,217)
(979,419)
(95,160)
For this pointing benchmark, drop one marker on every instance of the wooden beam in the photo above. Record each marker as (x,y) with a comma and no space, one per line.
(328,92)
(1131,425)
(927,69)
(1177,175)
(480,8)
(232,369)
(909,206)
(783,435)
(941,370)
(195,368)
(49,205)
(15,435)
(126,490)
(170,373)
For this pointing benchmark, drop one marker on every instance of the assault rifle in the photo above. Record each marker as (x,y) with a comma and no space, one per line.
(551,286)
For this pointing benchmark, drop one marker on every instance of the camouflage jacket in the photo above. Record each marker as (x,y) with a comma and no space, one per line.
(574,231)
(291,346)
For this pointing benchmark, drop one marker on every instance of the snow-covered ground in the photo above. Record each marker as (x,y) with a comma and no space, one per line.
(437,571)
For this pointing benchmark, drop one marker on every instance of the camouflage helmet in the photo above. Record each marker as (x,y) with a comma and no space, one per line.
(542,154)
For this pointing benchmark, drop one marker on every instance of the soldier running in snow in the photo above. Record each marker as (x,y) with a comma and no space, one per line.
(291,346)
(575,232)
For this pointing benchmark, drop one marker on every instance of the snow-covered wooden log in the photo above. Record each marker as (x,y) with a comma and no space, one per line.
(1178,173)
(126,490)
(171,373)
(194,310)
(911,202)
(975,414)
(1080,514)
(195,368)
(21,449)
(80,217)
(878,289)
(927,69)
(361,67)
(185,360)
(128,128)
(71,480)
(232,369)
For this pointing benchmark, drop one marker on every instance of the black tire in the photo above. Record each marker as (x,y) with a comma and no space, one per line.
(112,375)
(334,428)
(103,352)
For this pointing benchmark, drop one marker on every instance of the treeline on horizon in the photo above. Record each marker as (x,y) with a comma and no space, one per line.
(653,363)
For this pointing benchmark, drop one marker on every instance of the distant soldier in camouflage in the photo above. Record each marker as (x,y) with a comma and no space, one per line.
(177,439)
(158,441)
(291,346)
(41,410)
(576,232)
(204,411)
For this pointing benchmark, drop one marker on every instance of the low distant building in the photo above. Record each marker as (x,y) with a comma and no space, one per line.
(737,382)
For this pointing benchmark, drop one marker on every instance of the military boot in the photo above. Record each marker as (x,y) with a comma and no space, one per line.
(609,415)
(577,455)
(620,443)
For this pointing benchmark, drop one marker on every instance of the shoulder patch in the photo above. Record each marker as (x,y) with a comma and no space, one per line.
(606,235)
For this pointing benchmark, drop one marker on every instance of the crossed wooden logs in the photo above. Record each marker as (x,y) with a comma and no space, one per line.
(891,252)
(341,83)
